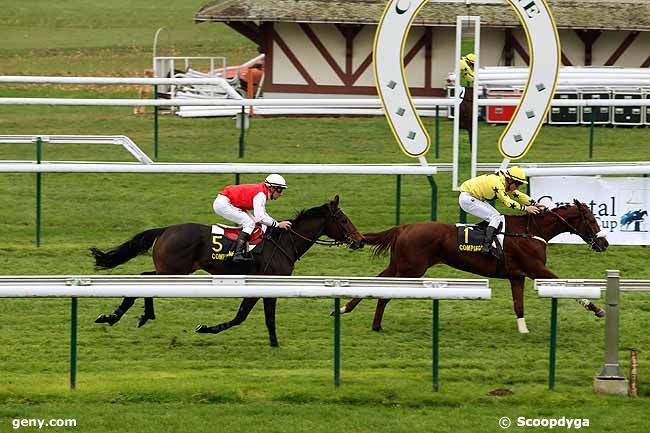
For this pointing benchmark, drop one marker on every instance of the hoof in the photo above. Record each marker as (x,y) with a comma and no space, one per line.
(205,329)
(600,313)
(377,328)
(274,344)
(144,319)
(111,319)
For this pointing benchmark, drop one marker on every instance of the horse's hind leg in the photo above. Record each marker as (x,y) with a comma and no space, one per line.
(379,313)
(244,310)
(352,303)
(269,317)
(148,307)
(116,315)
(414,271)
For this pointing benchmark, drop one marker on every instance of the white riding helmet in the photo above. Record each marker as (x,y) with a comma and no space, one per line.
(275,180)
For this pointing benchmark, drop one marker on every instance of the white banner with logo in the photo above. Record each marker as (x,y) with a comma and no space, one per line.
(620,204)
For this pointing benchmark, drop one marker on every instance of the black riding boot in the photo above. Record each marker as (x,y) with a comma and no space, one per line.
(240,248)
(489,235)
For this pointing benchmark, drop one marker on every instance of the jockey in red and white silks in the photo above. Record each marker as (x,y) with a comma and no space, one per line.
(246,205)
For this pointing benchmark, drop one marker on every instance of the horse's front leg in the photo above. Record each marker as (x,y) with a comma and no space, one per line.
(586,303)
(517,287)
(244,310)
(269,317)
(348,306)
(116,315)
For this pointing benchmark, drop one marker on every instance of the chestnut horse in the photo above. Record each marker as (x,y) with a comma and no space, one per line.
(184,248)
(416,247)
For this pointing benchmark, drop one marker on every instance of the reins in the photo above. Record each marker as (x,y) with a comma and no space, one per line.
(317,241)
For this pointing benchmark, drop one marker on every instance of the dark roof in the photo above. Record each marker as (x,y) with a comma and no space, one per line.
(581,14)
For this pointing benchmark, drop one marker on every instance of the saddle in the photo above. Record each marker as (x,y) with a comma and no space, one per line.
(224,240)
(232,233)
(470,239)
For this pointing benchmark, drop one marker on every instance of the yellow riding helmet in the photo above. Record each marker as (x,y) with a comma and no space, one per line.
(516,173)
(471,57)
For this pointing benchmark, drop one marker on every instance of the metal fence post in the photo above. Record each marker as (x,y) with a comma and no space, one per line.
(436,345)
(552,350)
(611,378)
(337,342)
(398,198)
(39,155)
(73,343)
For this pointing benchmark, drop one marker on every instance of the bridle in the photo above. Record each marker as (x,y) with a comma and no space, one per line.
(591,239)
(348,240)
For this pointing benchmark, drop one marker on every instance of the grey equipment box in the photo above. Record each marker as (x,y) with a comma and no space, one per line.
(600,115)
(564,115)
(626,115)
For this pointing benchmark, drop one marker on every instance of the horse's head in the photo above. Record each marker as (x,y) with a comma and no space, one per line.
(339,227)
(585,225)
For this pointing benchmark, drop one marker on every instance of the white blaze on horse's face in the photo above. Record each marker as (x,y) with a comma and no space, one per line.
(602,233)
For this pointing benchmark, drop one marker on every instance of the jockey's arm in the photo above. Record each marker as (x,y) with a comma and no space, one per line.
(259,211)
(529,204)
(509,202)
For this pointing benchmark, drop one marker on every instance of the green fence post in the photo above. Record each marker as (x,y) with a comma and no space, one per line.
(434,198)
(155,123)
(73,343)
(551,360)
(436,344)
(591,136)
(39,155)
(242,133)
(398,198)
(337,341)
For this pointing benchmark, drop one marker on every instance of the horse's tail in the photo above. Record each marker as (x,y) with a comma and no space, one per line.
(382,241)
(139,244)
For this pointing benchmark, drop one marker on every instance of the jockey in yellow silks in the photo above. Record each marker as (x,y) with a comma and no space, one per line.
(502,185)
(467,70)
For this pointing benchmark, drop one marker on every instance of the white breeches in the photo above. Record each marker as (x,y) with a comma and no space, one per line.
(224,208)
(480,209)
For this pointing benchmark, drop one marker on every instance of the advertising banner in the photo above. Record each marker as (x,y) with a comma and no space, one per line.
(620,204)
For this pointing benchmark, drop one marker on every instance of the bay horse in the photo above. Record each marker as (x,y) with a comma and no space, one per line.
(416,247)
(185,248)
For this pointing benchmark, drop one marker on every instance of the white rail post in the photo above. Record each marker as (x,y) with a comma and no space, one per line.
(611,378)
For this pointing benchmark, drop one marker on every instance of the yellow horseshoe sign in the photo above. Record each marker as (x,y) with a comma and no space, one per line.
(390,77)
(544,70)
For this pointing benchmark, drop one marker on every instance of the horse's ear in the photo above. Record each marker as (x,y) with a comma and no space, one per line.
(576,202)
(335,202)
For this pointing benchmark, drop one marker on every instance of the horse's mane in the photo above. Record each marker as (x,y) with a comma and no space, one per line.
(309,213)
(564,206)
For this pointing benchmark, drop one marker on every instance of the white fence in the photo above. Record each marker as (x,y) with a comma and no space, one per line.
(112,167)
(121,140)
(238,286)
(183,286)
